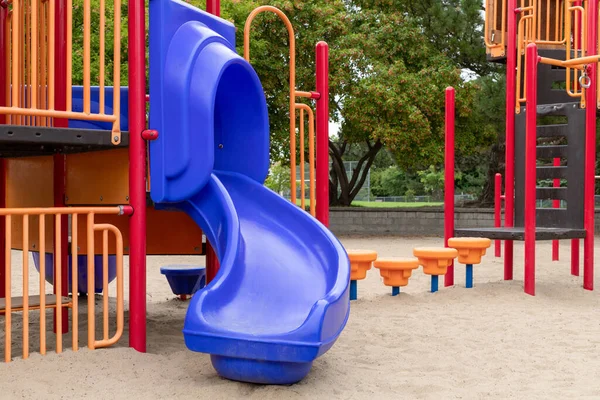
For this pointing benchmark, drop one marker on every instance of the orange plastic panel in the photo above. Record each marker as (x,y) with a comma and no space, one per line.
(29,183)
(435,260)
(396,271)
(98,178)
(470,250)
(360,262)
(168,233)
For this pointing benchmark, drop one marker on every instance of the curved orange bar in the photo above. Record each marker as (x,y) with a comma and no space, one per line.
(396,271)
(360,262)
(292,41)
(470,250)
(435,260)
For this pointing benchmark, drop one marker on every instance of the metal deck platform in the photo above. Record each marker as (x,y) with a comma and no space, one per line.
(27,141)
(518,233)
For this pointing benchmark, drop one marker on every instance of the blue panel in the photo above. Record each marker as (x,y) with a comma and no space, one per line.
(77,92)
(281,296)
(206,102)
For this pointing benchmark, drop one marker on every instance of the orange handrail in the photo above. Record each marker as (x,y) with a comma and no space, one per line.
(293,106)
(488,41)
(292,42)
(58,302)
(31,49)
(570,21)
(311,156)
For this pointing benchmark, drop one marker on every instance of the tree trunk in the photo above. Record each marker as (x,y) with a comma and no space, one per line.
(339,176)
(496,164)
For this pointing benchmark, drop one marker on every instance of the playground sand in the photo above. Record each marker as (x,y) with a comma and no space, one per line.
(491,342)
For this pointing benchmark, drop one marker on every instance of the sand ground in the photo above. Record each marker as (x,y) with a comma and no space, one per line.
(491,342)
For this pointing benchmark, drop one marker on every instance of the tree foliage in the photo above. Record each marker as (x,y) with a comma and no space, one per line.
(390,62)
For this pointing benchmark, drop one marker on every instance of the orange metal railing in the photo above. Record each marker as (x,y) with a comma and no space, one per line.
(495,27)
(545,25)
(569,33)
(32,51)
(43,301)
(293,107)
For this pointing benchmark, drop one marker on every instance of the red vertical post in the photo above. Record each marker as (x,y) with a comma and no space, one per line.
(60,103)
(498,212)
(212,262)
(575,257)
(213,7)
(449,178)
(555,204)
(530,166)
(137,174)
(590,148)
(509,173)
(322,158)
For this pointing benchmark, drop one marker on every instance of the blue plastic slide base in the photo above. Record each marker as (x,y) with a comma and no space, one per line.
(395,290)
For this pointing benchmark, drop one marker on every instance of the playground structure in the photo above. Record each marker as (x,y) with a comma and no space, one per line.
(79,180)
(550,48)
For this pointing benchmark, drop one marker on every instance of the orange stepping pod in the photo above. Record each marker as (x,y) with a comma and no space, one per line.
(470,250)
(435,261)
(396,271)
(360,262)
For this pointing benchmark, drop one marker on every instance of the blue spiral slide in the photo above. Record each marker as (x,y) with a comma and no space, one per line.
(280,298)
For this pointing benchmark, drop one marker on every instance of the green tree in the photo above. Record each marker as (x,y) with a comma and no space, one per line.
(396,99)
(279,178)
(433,181)
(453,27)
(78,36)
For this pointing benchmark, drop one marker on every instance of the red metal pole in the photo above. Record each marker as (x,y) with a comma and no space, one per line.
(449,178)
(509,173)
(60,103)
(137,175)
(590,149)
(575,257)
(322,169)
(498,212)
(555,204)
(213,7)
(212,263)
(530,167)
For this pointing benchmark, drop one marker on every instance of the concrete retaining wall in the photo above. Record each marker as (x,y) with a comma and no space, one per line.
(422,221)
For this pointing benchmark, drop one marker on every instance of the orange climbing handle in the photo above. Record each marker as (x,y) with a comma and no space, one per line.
(293,106)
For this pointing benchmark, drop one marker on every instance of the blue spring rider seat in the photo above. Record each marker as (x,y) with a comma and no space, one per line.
(185,280)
